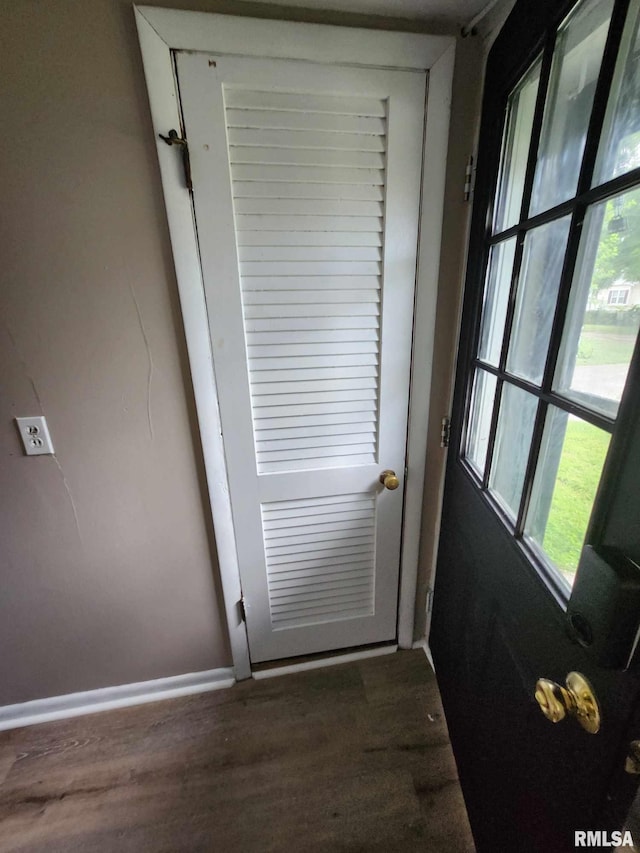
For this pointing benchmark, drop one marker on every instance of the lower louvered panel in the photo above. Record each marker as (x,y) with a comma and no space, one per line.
(320,555)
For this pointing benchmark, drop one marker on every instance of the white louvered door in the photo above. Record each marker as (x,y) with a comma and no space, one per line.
(306,193)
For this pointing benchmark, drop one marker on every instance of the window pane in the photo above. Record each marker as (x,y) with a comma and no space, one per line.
(484,392)
(571,460)
(515,149)
(604,307)
(542,262)
(513,441)
(574,74)
(620,143)
(496,299)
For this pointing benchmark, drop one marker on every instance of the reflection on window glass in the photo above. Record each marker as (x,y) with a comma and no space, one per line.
(515,149)
(513,442)
(574,74)
(620,142)
(484,391)
(496,299)
(571,460)
(542,262)
(604,309)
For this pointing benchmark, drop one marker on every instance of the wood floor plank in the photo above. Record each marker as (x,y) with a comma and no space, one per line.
(353,757)
(7,760)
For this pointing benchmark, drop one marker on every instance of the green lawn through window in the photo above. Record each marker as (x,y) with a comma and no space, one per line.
(606,345)
(583,454)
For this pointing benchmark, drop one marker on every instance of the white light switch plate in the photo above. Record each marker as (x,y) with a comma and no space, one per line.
(34,433)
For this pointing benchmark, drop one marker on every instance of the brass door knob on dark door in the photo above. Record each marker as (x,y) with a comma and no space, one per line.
(389,480)
(577,700)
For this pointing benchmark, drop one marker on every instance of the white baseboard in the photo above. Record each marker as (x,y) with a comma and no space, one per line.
(108,698)
(348,657)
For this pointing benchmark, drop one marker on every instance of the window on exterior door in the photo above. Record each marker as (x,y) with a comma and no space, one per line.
(557,329)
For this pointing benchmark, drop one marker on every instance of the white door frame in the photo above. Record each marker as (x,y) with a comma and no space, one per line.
(162,31)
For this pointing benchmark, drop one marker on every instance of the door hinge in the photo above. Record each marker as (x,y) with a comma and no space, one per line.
(468,179)
(174,139)
(242,608)
(445,431)
(429,601)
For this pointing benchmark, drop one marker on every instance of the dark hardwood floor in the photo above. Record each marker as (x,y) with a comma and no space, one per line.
(353,757)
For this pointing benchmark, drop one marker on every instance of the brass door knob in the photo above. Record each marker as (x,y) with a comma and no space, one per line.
(389,480)
(577,700)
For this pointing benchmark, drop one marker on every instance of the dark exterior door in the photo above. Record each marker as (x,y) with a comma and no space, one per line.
(537,571)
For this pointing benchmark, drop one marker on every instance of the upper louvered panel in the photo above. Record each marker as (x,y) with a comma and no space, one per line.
(308,177)
(320,555)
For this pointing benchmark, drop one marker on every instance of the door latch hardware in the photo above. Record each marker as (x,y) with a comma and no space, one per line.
(632,763)
(242,609)
(174,139)
(577,700)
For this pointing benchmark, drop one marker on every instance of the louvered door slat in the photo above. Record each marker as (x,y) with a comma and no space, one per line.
(330,239)
(338,580)
(315,397)
(320,336)
(249,154)
(295,350)
(335,105)
(306,206)
(292,224)
(313,297)
(326,175)
(317,547)
(314,538)
(309,253)
(301,385)
(275,364)
(311,421)
(306,121)
(300,283)
(287,139)
(347,439)
(300,189)
(311,433)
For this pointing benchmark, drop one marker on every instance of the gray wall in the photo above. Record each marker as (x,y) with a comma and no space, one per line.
(107,561)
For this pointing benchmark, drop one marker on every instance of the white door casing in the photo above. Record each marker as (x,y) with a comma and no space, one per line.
(307,197)
(161,31)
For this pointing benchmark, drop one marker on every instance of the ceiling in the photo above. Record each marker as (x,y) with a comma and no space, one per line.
(451,13)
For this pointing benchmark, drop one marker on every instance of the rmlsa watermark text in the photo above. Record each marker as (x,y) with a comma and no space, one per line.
(601,838)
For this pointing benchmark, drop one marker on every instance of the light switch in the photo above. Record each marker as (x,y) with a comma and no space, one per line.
(34,433)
